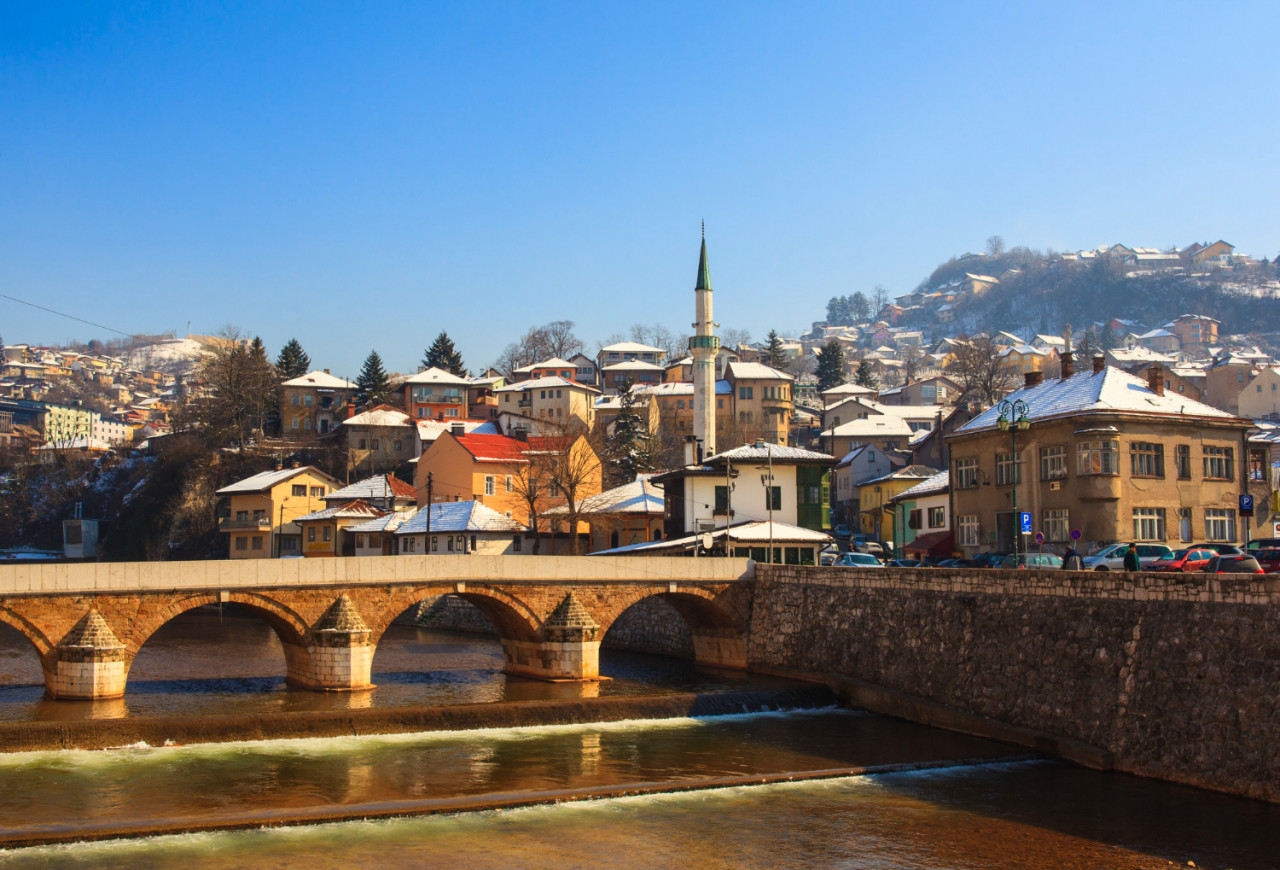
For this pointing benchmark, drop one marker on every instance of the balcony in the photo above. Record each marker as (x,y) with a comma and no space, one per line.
(230,524)
(776,404)
(1098,487)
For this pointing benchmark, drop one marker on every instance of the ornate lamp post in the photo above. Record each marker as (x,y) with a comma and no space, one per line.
(1014,416)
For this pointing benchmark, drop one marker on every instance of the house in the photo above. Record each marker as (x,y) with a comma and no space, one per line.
(435,394)
(1196,333)
(638,372)
(309,404)
(383,491)
(260,523)
(937,390)
(380,439)
(1260,397)
(922,519)
(482,401)
(876,495)
(1217,254)
(791,545)
(586,371)
(377,537)
(1160,340)
(460,528)
(554,400)
(1106,454)
(835,395)
(625,351)
(550,368)
(1226,379)
(864,462)
(325,533)
(762,401)
(625,515)
(977,284)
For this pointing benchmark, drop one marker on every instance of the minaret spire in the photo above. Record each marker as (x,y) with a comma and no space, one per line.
(704,346)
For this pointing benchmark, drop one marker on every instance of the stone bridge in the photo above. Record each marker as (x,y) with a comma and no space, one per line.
(88,621)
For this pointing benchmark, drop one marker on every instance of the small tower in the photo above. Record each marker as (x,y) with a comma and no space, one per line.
(703,347)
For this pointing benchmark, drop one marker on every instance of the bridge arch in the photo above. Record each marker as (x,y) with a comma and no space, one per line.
(289,627)
(512,618)
(42,644)
(718,635)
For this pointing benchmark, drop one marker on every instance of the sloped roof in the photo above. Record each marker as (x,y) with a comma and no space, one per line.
(935,485)
(754,532)
(459,516)
(758,371)
(378,486)
(917,472)
(493,448)
(641,496)
(322,380)
(777,452)
(264,480)
(350,510)
(1112,390)
(436,375)
(631,347)
(545,383)
(430,430)
(380,415)
(883,426)
(633,365)
(386,523)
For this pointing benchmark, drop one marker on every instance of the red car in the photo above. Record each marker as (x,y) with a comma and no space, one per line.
(1182,560)
(1269,560)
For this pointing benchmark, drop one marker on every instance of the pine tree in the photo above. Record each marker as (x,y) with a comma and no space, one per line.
(262,381)
(373,387)
(630,444)
(293,361)
(860,307)
(443,355)
(830,365)
(864,377)
(774,357)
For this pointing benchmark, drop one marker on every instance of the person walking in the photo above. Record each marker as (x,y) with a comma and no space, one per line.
(1131,558)
(1071,560)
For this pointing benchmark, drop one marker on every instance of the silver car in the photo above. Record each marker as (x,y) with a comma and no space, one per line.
(1112,558)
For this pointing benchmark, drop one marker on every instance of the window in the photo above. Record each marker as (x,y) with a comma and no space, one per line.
(1182,459)
(680,404)
(299,489)
(1220,525)
(242,542)
(317,492)
(1258,464)
(293,400)
(311,533)
(745,392)
(1146,459)
(966,473)
(327,532)
(449,543)
(969,530)
(507,482)
(1184,524)
(553,489)
(242,516)
(488,484)
(1148,524)
(257,542)
(360,541)
(913,519)
(937,517)
(1098,457)
(1053,463)
(397,444)
(773,498)
(307,400)
(360,445)
(1007,470)
(373,444)
(435,543)
(1055,524)
(722,498)
(1218,462)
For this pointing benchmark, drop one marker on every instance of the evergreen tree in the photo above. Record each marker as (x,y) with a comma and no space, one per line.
(860,307)
(1089,345)
(830,365)
(1107,339)
(630,445)
(373,387)
(774,357)
(443,355)
(864,377)
(293,361)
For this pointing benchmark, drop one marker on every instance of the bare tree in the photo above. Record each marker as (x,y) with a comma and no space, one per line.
(560,339)
(879,299)
(574,473)
(554,339)
(732,337)
(983,375)
(995,246)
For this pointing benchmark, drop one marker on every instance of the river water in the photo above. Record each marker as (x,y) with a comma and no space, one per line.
(988,811)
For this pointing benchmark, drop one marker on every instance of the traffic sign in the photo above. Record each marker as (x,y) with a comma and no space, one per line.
(1246,505)
(1039,537)
(1026,522)
(1075,534)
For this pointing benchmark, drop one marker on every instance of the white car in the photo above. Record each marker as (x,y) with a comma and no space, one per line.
(1112,558)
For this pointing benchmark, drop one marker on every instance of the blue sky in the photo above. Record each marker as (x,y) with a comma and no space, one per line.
(364,175)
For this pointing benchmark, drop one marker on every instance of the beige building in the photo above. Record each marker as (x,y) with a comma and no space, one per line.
(1261,396)
(309,405)
(1107,454)
(555,400)
(762,401)
(263,510)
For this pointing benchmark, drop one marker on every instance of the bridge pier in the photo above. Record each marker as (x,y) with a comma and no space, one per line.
(88,664)
(339,657)
(569,649)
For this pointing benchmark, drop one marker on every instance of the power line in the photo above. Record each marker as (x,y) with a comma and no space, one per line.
(64,314)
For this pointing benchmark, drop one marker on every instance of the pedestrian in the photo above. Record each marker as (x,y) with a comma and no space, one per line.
(1071,560)
(1131,558)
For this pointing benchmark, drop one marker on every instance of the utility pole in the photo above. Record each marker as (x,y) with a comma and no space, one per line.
(430,480)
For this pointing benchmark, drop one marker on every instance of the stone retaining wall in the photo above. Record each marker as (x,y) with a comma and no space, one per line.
(1174,676)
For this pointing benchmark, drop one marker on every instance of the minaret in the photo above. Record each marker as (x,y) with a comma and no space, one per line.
(703,346)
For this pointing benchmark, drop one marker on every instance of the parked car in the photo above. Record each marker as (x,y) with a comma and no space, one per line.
(1269,559)
(1222,549)
(907,563)
(841,533)
(1112,558)
(1262,544)
(1233,564)
(863,544)
(1182,560)
(988,560)
(858,560)
(1032,560)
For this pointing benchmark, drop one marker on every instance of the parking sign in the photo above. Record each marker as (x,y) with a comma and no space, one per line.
(1026,522)
(1246,505)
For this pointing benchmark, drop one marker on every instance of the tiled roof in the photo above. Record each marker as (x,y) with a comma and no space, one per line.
(1111,390)
(322,380)
(882,426)
(459,516)
(351,510)
(641,496)
(932,486)
(493,448)
(756,371)
(264,480)
(919,472)
(378,486)
(388,523)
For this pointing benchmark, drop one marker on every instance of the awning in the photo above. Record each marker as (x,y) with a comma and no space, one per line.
(932,544)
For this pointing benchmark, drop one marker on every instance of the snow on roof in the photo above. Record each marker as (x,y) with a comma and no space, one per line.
(848,390)
(882,426)
(351,510)
(641,496)
(931,486)
(321,379)
(430,430)
(1112,390)
(631,347)
(266,479)
(755,532)
(459,516)
(387,523)
(435,375)
(669,388)
(378,486)
(545,383)
(633,365)
(1158,332)
(767,451)
(494,448)
(1138,354)
(554,363)
(381,415)
(921,472)
(740,370)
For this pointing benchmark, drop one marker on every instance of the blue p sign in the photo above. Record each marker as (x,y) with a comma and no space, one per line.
(1026,522)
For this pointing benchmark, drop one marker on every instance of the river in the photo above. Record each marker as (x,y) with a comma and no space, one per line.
(982,805)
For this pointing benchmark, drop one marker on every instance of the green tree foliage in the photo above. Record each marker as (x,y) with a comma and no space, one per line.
(443,355)
(239,386)
(864,377)
(830,365)
(774,357)
(1107,338)
(293,361)
(373,386)
(630,446)
(860,307)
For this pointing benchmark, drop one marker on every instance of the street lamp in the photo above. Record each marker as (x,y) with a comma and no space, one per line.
(1013,416)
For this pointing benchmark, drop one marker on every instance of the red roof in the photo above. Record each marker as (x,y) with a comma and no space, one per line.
(493,448)
(400,489)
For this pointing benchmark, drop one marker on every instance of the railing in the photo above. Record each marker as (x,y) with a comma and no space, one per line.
(229,523)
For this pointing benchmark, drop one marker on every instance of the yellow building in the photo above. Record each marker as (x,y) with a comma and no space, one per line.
(263,509)
(875,498)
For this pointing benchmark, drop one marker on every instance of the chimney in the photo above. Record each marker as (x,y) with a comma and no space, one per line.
(520,434)
(326,371)
(1032,379)
(1068,364)
(1099,363)
(1155,380)
(457,430)
(351,410)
